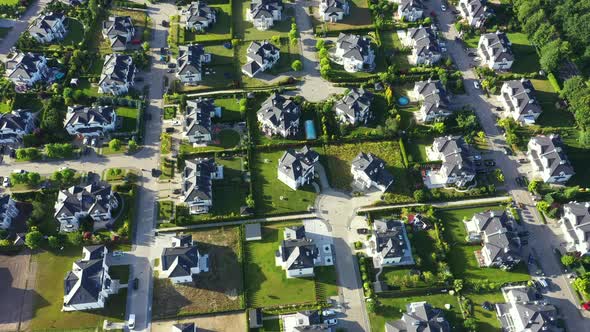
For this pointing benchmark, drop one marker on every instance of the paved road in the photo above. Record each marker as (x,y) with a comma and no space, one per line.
(543,238)
(19,27)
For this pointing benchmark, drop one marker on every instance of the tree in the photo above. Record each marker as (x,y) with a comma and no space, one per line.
(297,65)
(145,46)
(33,239)
(319,44)
(389,95)
(568,260)
(470,324)
(419,195)
(250,201)
(439,127)
(243,106)
(75,238)
(550,56)
(458,285)
(33,178)
(132,146)
(53,242)
(534,186)
(543,206)
(115,144)
(582,283)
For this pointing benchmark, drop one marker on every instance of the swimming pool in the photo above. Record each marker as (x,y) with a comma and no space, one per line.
(403,101)
(310,130)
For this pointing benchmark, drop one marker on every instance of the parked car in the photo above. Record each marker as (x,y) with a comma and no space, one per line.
(19,171)
(331,321)
(6,182)
(135,283)
(476,85)
(165,23)
(471,54)
(176,123)
(443,8)
(131,322)
(487,306)
(328,312)
(489,162)
(117,254)
(362,230)
(169,130)
(176,191)
(507,151)
(171,65)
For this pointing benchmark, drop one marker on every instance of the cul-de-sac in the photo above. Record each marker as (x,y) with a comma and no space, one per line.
(295,165)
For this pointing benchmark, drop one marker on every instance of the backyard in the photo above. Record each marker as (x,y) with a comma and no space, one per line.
(129,116)
(245,30)
(220,30)
(230,109)
(525,56)
(547,97)
(273,196)
(359,18)
(220,289)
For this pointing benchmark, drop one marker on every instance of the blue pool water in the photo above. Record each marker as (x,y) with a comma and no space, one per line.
(403,101)
(310,130)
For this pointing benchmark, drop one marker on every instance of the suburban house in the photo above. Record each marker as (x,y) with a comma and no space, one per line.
(549,160)
(369,171)
(457,166)
(424,44)
(575,225)
(25,69)
(434,100)
(526,310)
(197,122)
(190,63)
(87,121)
(279,116)
(182,260)
(197,184)
(95,201)
(119,30)
(48,27)
(410,10)
(420,316)
(198,16)
(88,285)
(304,321)
(297,254)
(296,168)
(494,51)
(8,211)
(474,12)
(354,53)
(355,107)
(333,10)
(519,102)
(263,13)
(260,56)
(118,74)
(389,244)
(496,230)
(14,125)
(184,327)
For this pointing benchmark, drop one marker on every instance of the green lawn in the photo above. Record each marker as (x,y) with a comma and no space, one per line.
(266,284)
(325,277)
(165,210)
(167,168)
(487,321)
(169,113)
(129,116)
(268,189)
(5,108)
(215,77)
(75,32)
(246,31)
(224,139)
(9,2)
(391,43)
(288,55)
(416,149)
(86,87)
(525,56)
(48,300)
(359,18)
(230,109)
(547,97)
(461,258)
(220,30)
(220,55)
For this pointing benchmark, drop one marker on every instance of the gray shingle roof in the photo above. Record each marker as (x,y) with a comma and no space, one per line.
(117,69)
(334,6)
(420,317)
(551,155)
(408,5)
(496,47)
(257,53)
(16,120)
(524,92)
(296,163)
(196,179)
(23,65)
(298,253)
(425,41)
(198,118)
(90,278)
(187,257)
(501,241)
(117,28)
(184,327)
(264,8)
(91,199)
(354,46)
(44,24)
(434,97)
(391,240)
(355,103)
(456,155)
(531,314)
(198,12)
(86,115)
(373,167)
(190,59)
(281,112)
(474,8)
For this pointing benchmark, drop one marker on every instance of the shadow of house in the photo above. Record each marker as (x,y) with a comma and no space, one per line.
(16,303)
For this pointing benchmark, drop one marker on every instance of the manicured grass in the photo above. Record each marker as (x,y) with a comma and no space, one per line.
(9,2)
(487,321)
(266,284)
(86,87)
(167,168)
(288,55)
(547,97)
(416,149)
(338,158)
(390,43)
(230,109)
(220,55)
(220,289)
(224,139)
(462,259)
(220,30)
(246,31)
(215,77)
(165,210)
(169,113)
(129,116)
(393,308)
(48,300)
(359,18)
(5,108)
(269,190)
(75,32)
(525,56)
(325,278)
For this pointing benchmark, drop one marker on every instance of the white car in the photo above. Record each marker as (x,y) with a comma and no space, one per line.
(328,312)
(131,322)
(117,253)
(6,182)
(443,8)
(19,171)
(476,84)
(331,321)
(176,123)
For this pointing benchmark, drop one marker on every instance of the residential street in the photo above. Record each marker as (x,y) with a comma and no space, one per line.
(20,26)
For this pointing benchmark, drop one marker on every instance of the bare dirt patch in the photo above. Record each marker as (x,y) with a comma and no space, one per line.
(16,294)
(222,322)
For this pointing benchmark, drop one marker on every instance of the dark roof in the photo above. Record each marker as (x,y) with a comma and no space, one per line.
(420,317)
(85,282)
(15,121)
(409,5)
(374,168)
(254,318)
(296,163)
(298,253)
(198,118)
(253,231)
(425,41)
(551,155)
(94,251)
(185,327)
(117,69)
(521,97)
(391,239)
(264,8)
(257,53)
(576,217)
(355,102)
(434,96)
(456,155)
(496,47)
(294,232)
(354,46)
(90,115)
(279,111)
(198,12)
(190,58)
(44,24)
(91,199)
(500,240)
(334,6)
(116,28)
(187,257)
(24,65)
(196,179)
(474,8)
(532,314)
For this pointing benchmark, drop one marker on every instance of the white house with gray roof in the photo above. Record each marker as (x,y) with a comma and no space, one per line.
(420,316)
(425,47)
(354,53)
(333,10)
(88,121)
(190,63)
(8,211)
(96,201)
(575,225)
(457,167)
(197,122)
(495,229)
(14,125)
(296,168)
(88,285)
(297,254)
(389,244)
(48,27)
(279,116)
(26,69)
(474,12)
(525,310)
(355,107)
(119,31)
(197,184)
(309,320)
(198,16)
(495,51)
(118,74)
(182,260)
(519,102)
(548,159)
(263,13)
(369,171)
(260,56)
(410,10)
(434,99)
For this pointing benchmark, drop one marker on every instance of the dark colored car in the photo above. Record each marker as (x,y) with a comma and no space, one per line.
(487,306)
(171,65)
(169,130)
(135,283)
(362,230)
(490,163)
(176,191)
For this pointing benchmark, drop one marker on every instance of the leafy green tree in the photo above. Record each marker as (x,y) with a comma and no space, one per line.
(319,44)
(568,260)
(534,186)
(33,239)
(439,128)
(297,65)
(115,144)
(132,146)
(550,56)
(53,242)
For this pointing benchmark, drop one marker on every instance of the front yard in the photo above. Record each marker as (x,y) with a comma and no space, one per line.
(129,116)
(359,18)
(220,30)
(245,30)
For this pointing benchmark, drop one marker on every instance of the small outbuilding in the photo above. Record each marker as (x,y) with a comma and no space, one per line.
(253,232)
(255,316)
